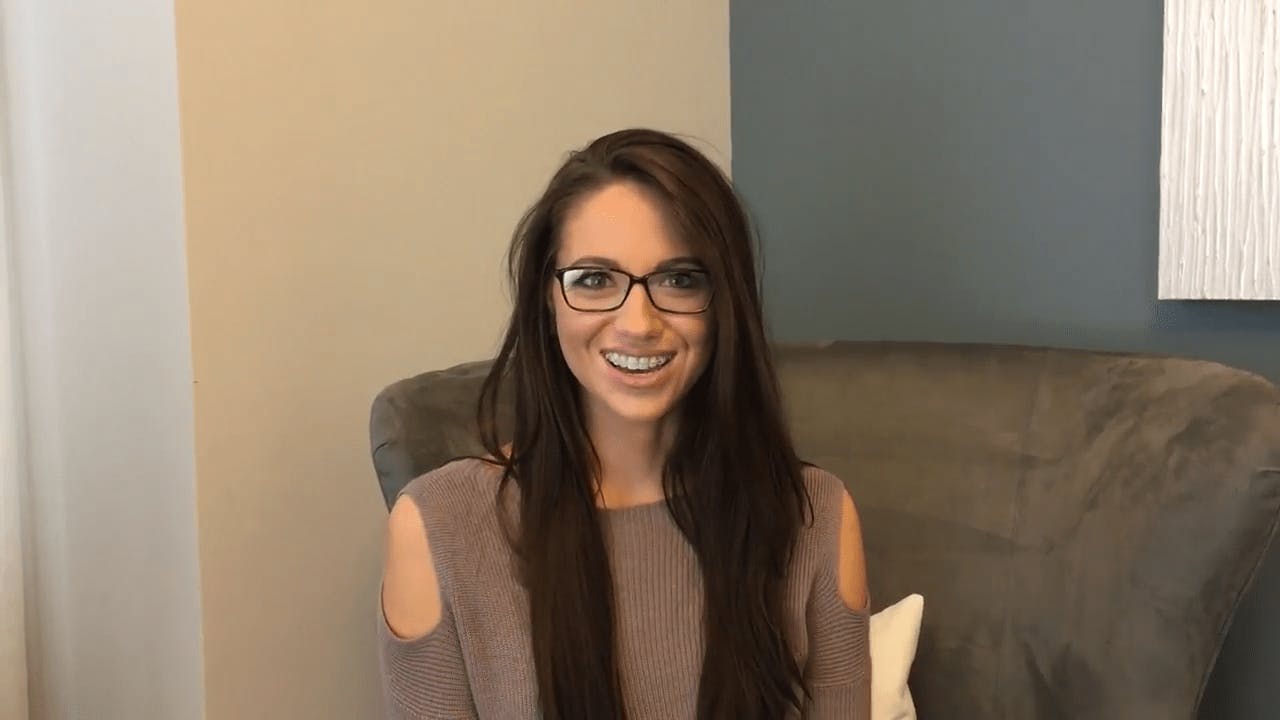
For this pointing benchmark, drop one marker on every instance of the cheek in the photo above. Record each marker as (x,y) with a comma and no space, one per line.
(562,322)
(700,337)
(574,332)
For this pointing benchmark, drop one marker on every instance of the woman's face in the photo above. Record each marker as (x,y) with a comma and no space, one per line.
(635,363)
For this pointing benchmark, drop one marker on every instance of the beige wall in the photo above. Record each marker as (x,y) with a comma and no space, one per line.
(353,171)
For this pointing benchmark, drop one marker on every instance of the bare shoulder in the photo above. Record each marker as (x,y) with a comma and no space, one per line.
(411,600)
(852,562)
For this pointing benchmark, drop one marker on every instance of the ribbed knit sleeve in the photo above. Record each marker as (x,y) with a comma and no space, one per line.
(424,678)
(840,664)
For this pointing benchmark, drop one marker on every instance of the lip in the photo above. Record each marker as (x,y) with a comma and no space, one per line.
(644,380)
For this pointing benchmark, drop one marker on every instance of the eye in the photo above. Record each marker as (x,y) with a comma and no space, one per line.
(682,280)
(589,279)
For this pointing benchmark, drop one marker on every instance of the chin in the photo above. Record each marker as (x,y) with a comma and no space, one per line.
(638,410)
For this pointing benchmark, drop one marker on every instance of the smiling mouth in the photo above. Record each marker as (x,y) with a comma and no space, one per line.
(638,364)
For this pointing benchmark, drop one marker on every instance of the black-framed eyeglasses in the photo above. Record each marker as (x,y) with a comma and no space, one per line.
(597,289)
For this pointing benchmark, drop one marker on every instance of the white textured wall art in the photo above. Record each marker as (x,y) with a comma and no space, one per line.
(1219,160)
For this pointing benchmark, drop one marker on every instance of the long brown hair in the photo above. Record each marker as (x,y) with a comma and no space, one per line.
(732,481)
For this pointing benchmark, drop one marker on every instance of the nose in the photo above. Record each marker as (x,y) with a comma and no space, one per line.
(638,316)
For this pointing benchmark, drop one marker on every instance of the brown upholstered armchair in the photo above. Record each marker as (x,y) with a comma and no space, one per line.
(1082,525)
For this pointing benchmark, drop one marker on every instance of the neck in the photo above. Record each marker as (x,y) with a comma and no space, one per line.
(632,455)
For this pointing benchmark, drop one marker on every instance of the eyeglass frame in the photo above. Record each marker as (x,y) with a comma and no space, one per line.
(633,280)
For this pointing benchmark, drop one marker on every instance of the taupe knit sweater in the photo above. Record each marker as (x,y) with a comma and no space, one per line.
(478,662)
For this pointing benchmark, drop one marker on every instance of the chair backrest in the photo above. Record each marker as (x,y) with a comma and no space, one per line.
(1082,525)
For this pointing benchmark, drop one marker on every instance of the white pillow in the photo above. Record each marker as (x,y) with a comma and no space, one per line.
(895,631)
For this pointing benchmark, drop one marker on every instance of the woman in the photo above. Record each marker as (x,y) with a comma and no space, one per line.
(648,545)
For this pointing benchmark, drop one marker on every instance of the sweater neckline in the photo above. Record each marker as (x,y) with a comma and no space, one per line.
(643,508)
(637,509)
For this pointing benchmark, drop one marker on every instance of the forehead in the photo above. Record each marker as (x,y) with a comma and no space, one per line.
(622,222)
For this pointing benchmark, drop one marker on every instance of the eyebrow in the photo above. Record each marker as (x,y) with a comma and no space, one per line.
(683,261)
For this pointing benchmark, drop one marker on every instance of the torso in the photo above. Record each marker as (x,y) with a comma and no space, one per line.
(658,601)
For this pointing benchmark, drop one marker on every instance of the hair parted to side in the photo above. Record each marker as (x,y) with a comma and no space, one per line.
(733,482)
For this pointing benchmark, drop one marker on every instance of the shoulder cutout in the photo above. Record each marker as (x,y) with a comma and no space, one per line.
(852,563)
(411,600)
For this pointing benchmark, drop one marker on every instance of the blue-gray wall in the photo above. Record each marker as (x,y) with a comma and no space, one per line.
(980,170)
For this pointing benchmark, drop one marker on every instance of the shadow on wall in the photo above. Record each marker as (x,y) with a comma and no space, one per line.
(1225,315)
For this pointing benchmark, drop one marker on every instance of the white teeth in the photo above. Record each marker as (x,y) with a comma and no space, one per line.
(633,362)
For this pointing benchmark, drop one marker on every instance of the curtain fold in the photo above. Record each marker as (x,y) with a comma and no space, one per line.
(13,646)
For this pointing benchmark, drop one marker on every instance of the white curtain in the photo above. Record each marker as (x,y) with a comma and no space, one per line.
(13,646)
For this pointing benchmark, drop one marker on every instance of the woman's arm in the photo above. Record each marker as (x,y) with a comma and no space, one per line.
(420,656)
(839,626)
